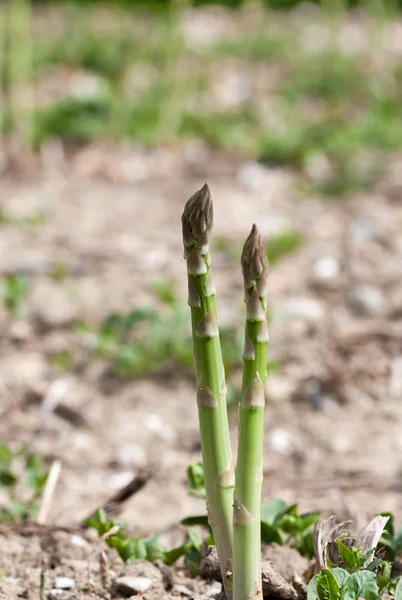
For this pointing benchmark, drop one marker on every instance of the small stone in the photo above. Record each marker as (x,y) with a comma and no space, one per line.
(395,383)
(77,540)
(119,480)
(362,230)
(326,268)
(154,422)
(21,331)
(182,590)
(50,306)
(214,589)
(301,308)
(131,454)
(64,583)
(280,389)
(55,594)
(133,585)
(341,444)
(367,300)
(281,441)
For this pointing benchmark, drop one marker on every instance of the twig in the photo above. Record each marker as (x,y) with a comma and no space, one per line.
(42,581)
(50,487)
(112,505)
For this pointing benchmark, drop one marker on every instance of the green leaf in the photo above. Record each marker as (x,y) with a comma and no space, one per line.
(6,455)
(154,549)
(272,510)
(192,560)
(352,557)
(340,575)
(196,520)
(195,539)
(172,555)
(312,593)
(327,585)
(195,476)
(270,534)
(398,590)
(361,584)
(7,478)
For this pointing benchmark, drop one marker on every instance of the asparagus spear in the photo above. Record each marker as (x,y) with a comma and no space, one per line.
(247,583)
(197,223)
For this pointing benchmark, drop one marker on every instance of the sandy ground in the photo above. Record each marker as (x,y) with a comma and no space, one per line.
(112,218)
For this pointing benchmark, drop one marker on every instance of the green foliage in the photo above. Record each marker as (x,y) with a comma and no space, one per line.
(62,360)
(73,120)
(101,54)
(391,539)
(282,523)
(195,480)
(147,340)
(24,491)
(13,291)
(338,584)
(133,548)
(282,244)
(259,46)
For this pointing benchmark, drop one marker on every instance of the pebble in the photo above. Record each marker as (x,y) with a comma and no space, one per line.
(326,268)
(64,583)
(280,441)
(119,480)
(55,594)
(362,230)
(21,331)
(154,422)
(50,305)
(133,585)
(303,308)
(367,300)
(395,383)
(131,454)
(183,590)
(214,589)
(32,368)
(77,540)
(280,389)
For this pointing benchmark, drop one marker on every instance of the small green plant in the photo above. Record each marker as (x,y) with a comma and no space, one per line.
(146,340)
(391,539)
(24,485)
(150,548)
(14,290)
(62,360)
(352,567)
(281,523)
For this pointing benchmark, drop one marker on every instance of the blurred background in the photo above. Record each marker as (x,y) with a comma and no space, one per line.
(112,115)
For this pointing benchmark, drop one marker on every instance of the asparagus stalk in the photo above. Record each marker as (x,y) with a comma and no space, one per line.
(247,583)
(197,223)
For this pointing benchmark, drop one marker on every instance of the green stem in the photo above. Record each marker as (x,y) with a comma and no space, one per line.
(247,498)
(210,374)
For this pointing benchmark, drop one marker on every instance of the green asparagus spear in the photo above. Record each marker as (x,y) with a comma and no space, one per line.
(197,223)
(247,498)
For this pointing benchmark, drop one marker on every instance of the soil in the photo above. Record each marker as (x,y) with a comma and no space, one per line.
(111,218)
(333,417)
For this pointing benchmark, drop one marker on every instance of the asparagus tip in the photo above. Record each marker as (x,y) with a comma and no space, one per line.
(197,219)
(255,262)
